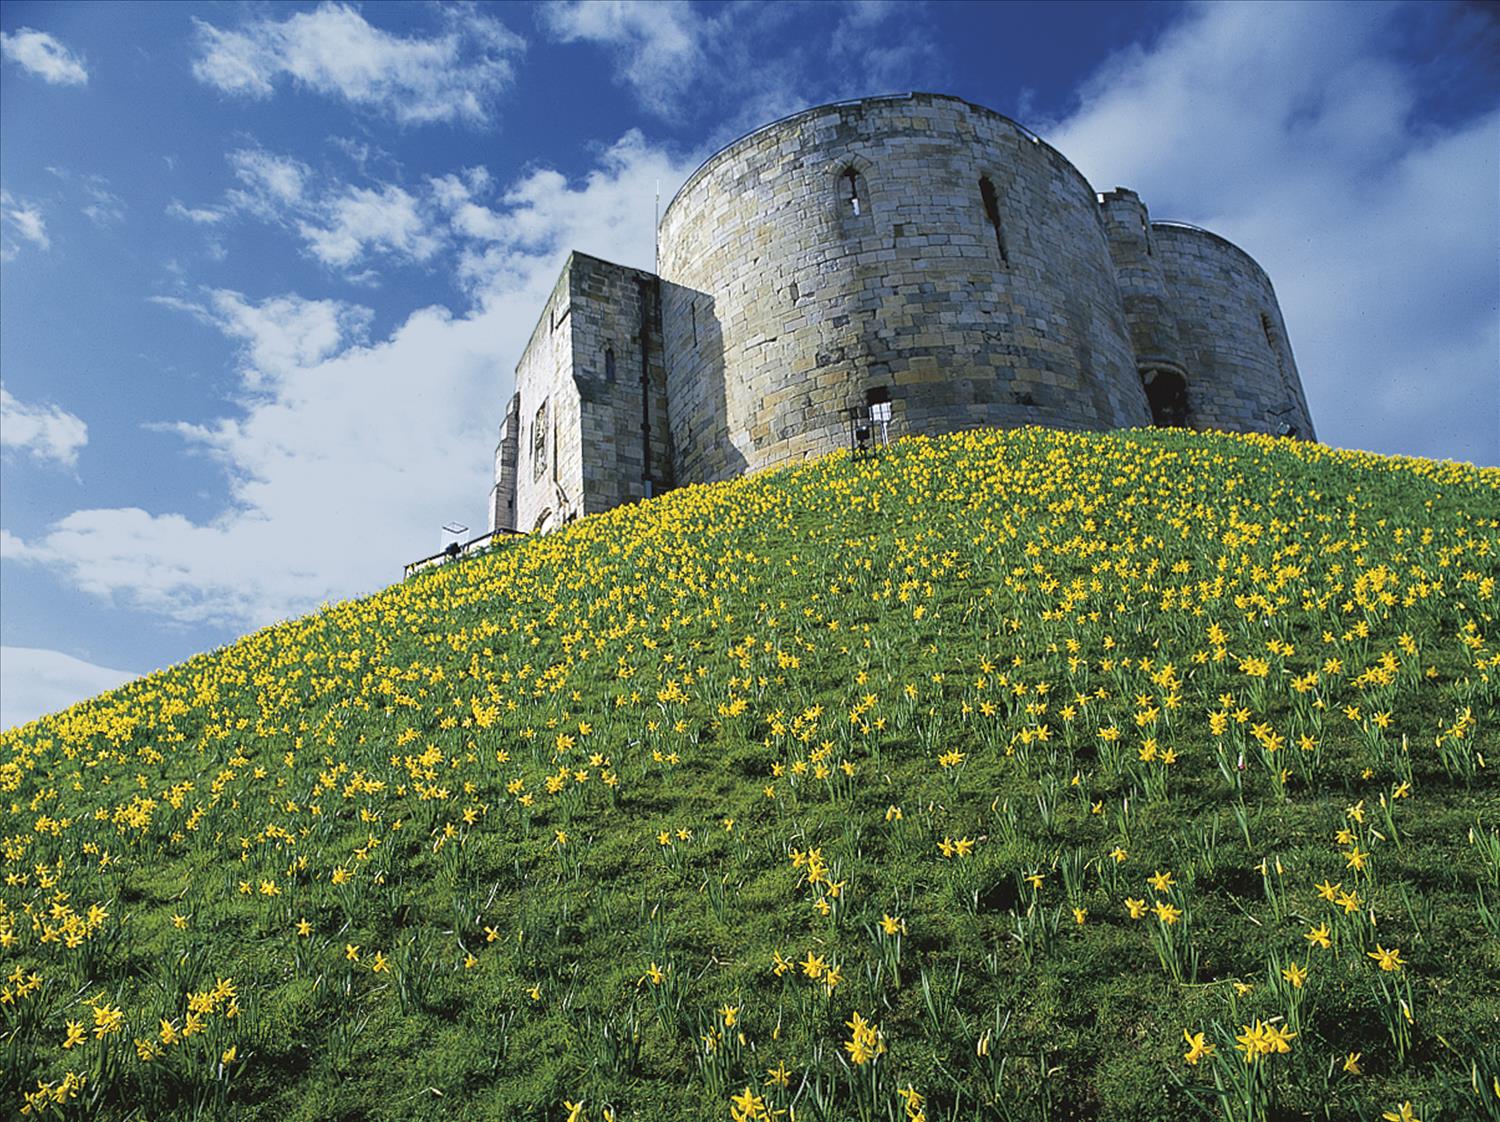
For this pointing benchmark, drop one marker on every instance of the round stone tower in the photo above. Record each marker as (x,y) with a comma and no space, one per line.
(1241,376)
(916,250)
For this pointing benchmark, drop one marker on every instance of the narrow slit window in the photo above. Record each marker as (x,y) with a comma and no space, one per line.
(1273,341)
(992,212)
(1270,334)
(851,192)
(693,313)
(1146,234)
(609,364)
(539,443)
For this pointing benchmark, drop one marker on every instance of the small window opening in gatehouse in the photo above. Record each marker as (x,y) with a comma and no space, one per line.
(1146,233)
(851,191)
(992,212)
(539,443)
(1166,393)
(609,364)
(693,314)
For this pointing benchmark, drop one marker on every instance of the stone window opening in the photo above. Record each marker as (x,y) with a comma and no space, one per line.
(609,364)
(1166,394)
(992,212)
(539,443)
(1269,330)
(693,315)
(851,191)
(1146,234)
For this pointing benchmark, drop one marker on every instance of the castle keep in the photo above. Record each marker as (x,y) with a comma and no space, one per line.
(918,255)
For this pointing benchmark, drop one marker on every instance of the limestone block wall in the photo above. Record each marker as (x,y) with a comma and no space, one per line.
(1143,288)
(1241,376)
(620,417)
(503,495)
(784,302)
(549,456)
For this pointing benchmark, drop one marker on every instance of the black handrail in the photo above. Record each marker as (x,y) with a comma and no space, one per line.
(455,551)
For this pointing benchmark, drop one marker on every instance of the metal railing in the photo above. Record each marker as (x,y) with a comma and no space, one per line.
(456,551)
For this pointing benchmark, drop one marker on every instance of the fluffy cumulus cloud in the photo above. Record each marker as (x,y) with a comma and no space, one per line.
(1296,132)
(42,55)
(44,433)
(20,222)
(279,336)
(659,48)
(362,220)
(34,681)
(332,50)
(342,225)
(345,455)
(746,64)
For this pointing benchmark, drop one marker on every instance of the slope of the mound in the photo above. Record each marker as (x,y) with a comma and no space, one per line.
(1006,775)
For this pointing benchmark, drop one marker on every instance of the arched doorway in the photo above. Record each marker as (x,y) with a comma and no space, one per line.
(1166,393)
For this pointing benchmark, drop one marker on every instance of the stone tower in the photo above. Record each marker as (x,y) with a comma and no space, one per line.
(919,251)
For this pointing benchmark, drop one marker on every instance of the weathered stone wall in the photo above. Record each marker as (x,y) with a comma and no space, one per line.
(579,384)
(619,415)
(1143,288)
(549,458)
(1241,376)
(784,306)
(503,496)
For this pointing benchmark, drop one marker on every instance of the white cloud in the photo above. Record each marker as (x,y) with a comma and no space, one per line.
(1294,132)
(333,50)
(43,432)
(269,182)
(20,220)
(44,56)
(344,458)
(659,49)
(279,336)
(101,205)
(361,218)
(105,207)
(746,64)
(35,682)
(202,216)
(341,224)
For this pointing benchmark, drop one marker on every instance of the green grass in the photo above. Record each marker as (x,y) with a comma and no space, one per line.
(1306,633)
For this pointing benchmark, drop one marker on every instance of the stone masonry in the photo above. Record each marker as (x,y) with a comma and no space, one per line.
(916,250)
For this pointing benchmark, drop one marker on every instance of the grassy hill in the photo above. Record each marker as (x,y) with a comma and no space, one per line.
(1021,775)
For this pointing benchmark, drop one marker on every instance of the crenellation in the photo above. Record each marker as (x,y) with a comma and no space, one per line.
(918,247)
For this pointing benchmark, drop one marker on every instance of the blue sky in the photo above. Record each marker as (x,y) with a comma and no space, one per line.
(265,269)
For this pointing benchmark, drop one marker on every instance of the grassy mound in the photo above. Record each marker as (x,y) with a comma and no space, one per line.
(1012,775)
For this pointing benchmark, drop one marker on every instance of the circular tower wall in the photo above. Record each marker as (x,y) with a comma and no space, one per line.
(1241,376)
(917,249)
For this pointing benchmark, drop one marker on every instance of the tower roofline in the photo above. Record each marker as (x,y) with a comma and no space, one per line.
(1171,226)
(914,95)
